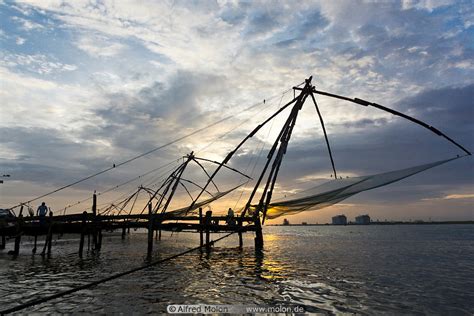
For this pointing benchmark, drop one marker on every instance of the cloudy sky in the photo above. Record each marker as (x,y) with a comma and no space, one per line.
(86,84)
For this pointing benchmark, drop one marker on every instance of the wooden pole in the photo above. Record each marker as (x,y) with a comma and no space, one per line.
(258,233)
(4,241)
(48,240)
(50,233)
(159,227)
(19,222)
(124,229)
(16,250)
(207,227)
(94,220)
(201,237)
(150,230)
(99,238)
(34,247)
(239,227)
(83,233)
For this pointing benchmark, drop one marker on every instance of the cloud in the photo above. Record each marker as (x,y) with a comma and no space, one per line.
(429,5)
(453,197)
(20,41)
(459,196)
(113,80)
(99,46)
(26,24)
(37,63)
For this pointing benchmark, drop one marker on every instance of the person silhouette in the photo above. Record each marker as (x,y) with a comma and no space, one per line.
(41,212)
(230,220)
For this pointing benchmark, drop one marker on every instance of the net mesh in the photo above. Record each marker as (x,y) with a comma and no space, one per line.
(186,210)
(335,191)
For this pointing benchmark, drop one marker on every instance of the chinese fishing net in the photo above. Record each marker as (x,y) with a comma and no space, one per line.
(335,191)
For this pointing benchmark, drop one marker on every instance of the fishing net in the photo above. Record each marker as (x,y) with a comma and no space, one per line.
(335,191)
(186,210)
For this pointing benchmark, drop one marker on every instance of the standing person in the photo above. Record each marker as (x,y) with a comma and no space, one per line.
(41,212)
(230,217)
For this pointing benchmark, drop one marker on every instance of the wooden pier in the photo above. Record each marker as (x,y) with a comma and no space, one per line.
(92,226)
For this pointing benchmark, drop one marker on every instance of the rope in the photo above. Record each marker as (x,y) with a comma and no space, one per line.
(117,186)
(112,277)
(145,153)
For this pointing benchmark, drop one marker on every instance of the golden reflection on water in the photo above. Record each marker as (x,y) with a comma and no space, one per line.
(271,268)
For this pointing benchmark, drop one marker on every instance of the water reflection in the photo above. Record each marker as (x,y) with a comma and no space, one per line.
(326,269)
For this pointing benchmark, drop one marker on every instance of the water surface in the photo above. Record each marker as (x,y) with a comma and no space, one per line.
(406,269)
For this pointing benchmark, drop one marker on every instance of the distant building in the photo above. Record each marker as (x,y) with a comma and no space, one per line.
(286,222)
(339,220)
(363,220)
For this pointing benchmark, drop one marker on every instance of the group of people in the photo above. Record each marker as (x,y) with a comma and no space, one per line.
(42,211)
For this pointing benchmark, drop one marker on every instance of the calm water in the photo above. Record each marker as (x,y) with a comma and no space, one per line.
(419,269)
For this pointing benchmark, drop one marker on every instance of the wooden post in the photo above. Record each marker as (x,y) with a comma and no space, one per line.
(48,240)
(99,237)
(4,241)
(207,227)
(50,233)
(19,222)
(201,237)
(34,247)
(83,233)
(159,227)
(150,230)
(16,250)
(124,230)
(258,233)
(94,221)
(239,227)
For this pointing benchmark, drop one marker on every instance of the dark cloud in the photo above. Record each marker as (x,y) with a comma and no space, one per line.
(372,48)
(261,22)
(376,146)
(158,113)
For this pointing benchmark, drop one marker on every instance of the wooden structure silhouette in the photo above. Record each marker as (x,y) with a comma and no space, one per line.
(155,216)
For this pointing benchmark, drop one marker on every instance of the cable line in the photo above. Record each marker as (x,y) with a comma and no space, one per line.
(112,277)
(146,153)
